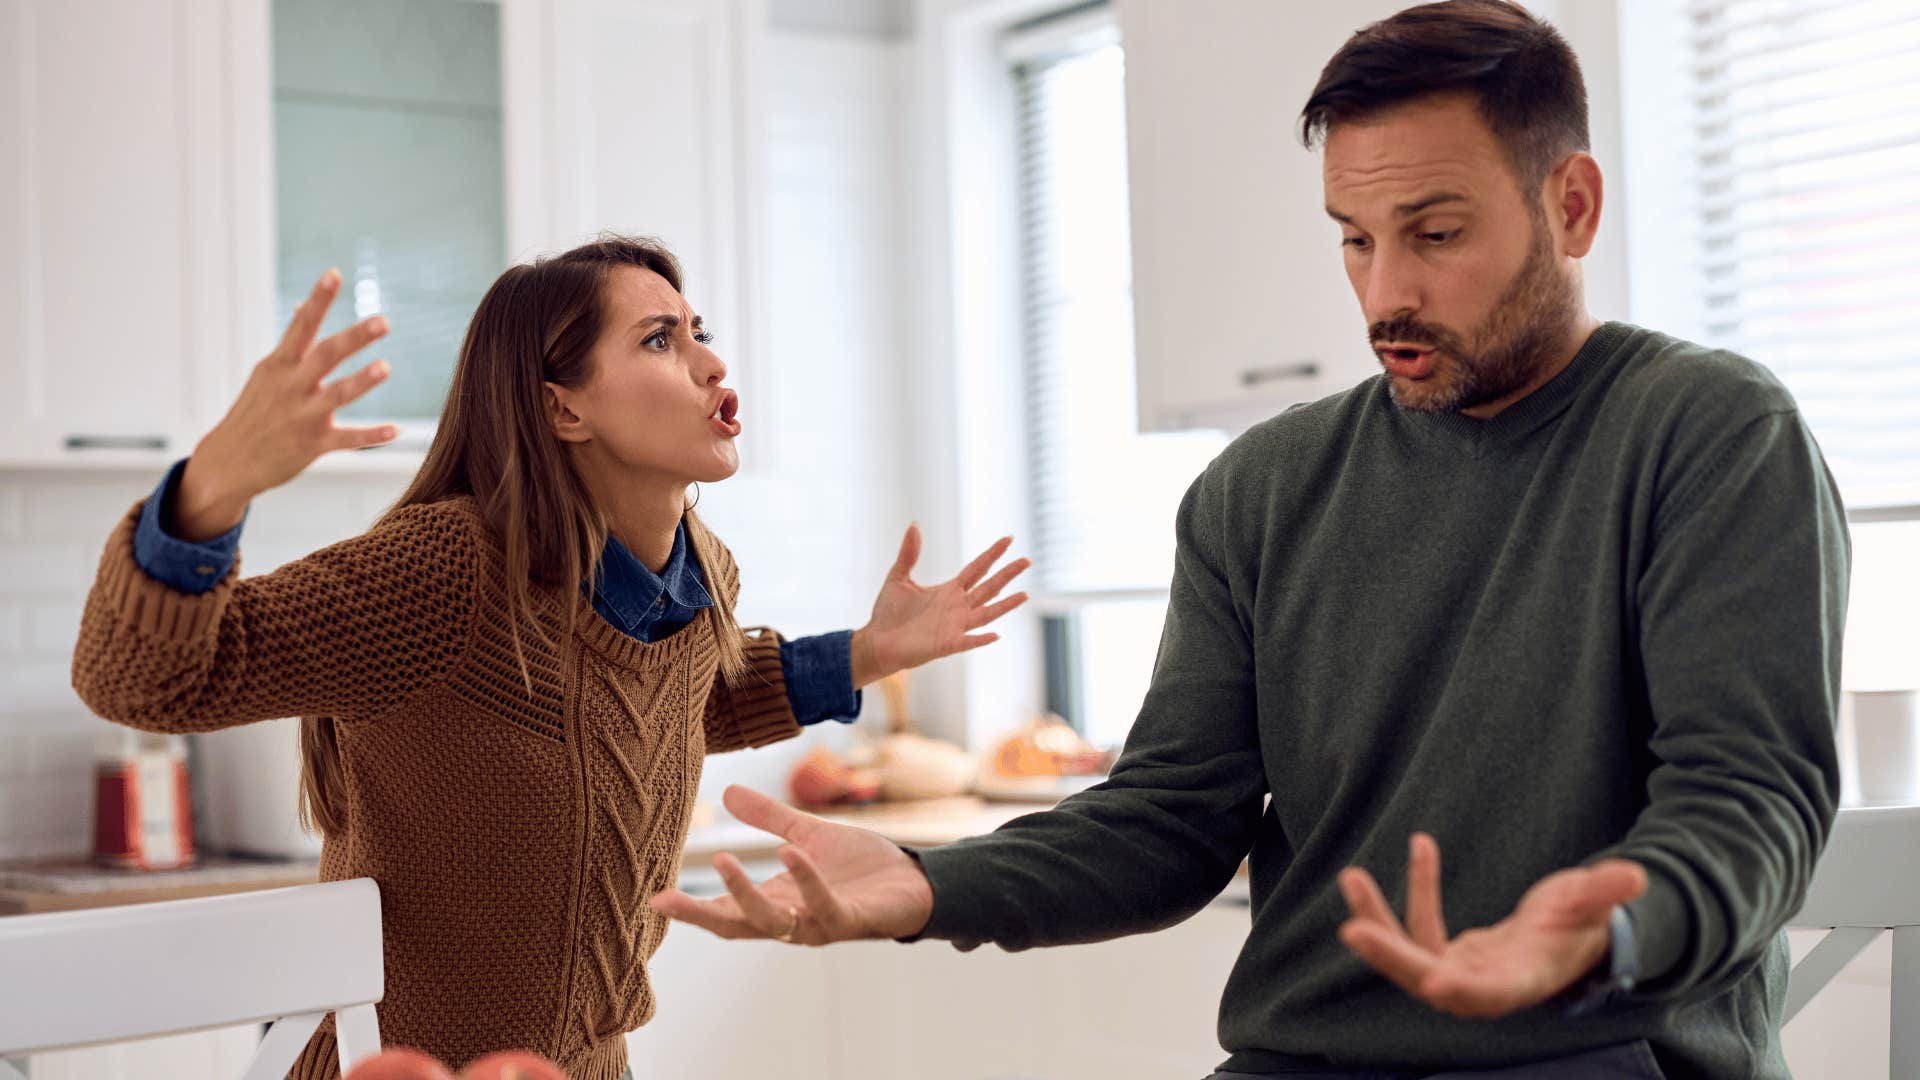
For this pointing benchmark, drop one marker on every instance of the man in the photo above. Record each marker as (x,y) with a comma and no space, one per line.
(1562,599)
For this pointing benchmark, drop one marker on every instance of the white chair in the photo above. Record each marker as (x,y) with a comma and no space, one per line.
(1868,882)
(290,956)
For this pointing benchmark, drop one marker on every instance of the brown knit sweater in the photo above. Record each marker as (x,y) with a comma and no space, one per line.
(516,839)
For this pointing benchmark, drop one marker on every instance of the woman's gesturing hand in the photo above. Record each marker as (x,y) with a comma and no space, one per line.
(914,623)
(282,420)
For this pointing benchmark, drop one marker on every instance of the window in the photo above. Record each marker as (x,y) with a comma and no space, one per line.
(1103,495)
(1775,212)
(1808,187)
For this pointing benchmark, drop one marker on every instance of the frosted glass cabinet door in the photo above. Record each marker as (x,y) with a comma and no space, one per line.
(388,145)
(423,145)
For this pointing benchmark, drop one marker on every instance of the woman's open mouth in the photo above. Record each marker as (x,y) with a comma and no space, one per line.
(724,417)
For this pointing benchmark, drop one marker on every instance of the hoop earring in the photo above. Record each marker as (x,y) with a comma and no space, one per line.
(696,497)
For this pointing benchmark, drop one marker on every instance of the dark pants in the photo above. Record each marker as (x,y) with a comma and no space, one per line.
(1624,1061)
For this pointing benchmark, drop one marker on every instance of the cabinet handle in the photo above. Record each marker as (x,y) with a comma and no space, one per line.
(116,442)
(1279,373)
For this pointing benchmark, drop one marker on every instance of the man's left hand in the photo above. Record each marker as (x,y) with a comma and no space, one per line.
(1554,937)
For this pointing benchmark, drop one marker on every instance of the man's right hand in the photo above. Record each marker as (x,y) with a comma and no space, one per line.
(841,883)
(282,420)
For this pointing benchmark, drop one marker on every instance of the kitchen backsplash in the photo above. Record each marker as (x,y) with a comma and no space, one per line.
(52,527)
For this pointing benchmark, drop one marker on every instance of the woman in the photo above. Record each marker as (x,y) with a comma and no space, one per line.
(510,681)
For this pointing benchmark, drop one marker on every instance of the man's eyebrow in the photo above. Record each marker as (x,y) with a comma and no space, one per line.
(1406,209)
(1428,203)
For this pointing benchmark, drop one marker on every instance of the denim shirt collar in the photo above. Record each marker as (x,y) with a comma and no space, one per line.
(640,597)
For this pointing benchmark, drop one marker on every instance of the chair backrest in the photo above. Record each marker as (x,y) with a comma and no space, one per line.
(105,975)
(1869,875)
(1867,883)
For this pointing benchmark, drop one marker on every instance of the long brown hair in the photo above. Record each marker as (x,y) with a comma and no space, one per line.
(495,442)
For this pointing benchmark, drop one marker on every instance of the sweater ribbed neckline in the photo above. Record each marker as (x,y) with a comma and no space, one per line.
(629,652)
(1534,411)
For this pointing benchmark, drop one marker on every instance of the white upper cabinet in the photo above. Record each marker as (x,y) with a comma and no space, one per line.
(175,173)
(1241,303)
(645,117)
(115,227)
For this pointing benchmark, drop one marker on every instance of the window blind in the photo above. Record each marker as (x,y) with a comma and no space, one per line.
(1103,495)
(1806,194)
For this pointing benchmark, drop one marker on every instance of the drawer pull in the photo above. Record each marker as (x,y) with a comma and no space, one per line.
(1279,373)
(116,442)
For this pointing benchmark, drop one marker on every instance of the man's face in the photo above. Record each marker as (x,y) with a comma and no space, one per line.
(1463,283)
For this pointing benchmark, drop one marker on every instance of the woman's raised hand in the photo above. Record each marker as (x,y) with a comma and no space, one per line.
(914,623)
(282,420)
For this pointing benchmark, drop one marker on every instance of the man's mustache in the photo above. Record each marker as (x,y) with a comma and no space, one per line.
(1406,330)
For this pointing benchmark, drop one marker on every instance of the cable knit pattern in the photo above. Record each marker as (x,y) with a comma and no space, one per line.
(516,838)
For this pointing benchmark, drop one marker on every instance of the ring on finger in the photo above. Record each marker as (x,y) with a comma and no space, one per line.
(793,923)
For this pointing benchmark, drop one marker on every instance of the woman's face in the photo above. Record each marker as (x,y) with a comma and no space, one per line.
(654,406)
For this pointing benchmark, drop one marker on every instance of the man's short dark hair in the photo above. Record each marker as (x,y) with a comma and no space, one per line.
(1518,70)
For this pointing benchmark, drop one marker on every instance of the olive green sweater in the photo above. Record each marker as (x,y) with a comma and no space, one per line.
(1605,623)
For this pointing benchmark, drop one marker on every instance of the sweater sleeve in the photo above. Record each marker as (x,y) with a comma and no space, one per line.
(1165,833)
(754,708)
(1741,605)
(347,632)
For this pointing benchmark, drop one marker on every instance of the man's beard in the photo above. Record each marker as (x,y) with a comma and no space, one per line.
(1519,336)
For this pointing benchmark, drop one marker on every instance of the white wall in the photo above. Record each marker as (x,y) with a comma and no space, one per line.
(817,520)
(814,522)
(1592,27)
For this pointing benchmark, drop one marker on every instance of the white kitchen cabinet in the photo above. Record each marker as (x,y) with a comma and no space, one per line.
(138,225)
(647,117)
(1241,304)
(117,222)
(737,1008)
(1141,1007)
(1138,1008)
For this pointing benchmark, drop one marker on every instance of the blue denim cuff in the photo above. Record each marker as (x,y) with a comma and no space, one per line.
(819,674)
(171,561)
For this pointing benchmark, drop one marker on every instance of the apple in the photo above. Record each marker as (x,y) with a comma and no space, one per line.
(400,1063)
(513,1065)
